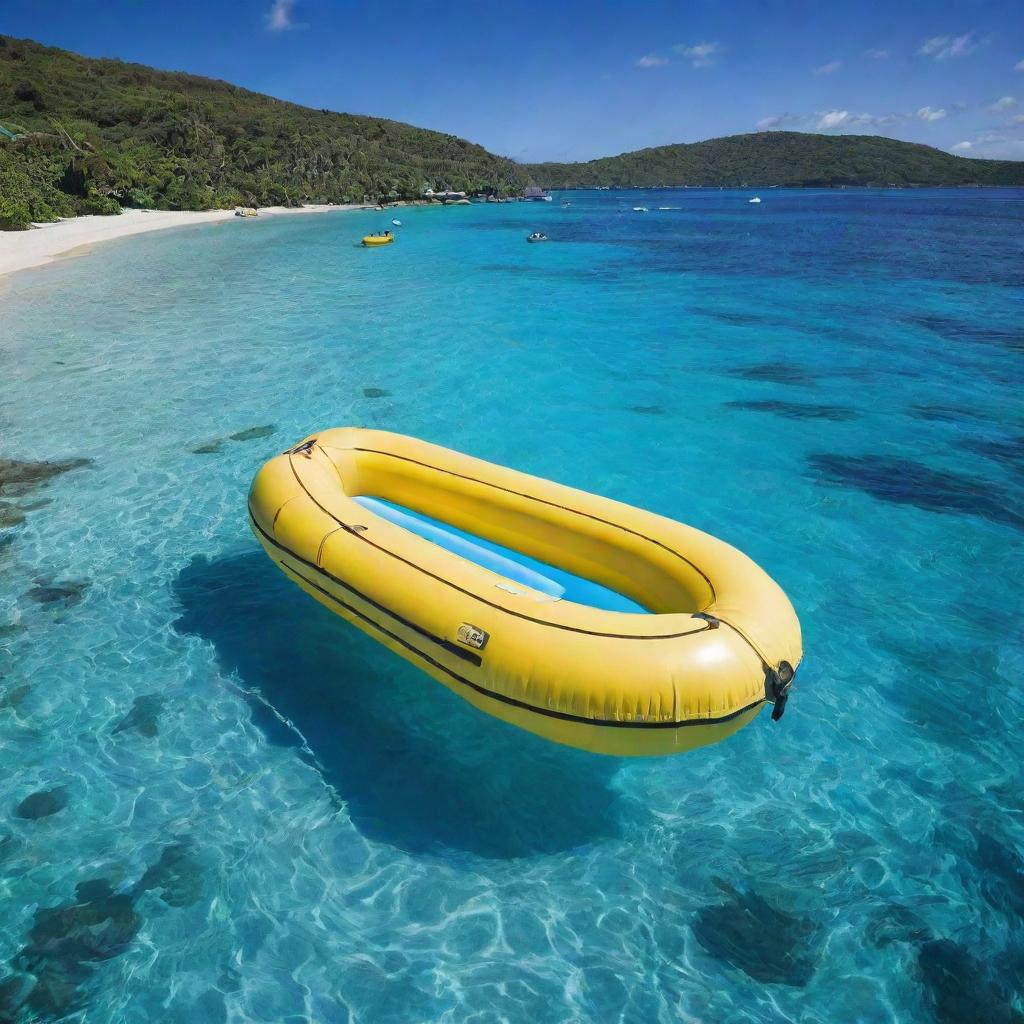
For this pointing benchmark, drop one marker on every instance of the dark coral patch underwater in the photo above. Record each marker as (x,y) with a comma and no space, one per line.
(767,943)
(42,803)
(938,413)
(18,478)
(906,482)
(12,699)
(143,716)
(10,515)
(961,988)
(67,943)
(62,592)
(1010,337)
(217,444)
(797,410)
(1007,451)
(252,433)
(777,373)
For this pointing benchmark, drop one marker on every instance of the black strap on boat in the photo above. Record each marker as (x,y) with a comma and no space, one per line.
(778,683)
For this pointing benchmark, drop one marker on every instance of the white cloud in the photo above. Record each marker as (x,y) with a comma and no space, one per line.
(996,145)
(833,119)
(281,15)
(1002,104)
(1019,66)
(850,121)
(1017,119)
(944,47)
(651,60)
(830,68)
(829,119)
(701,55)
(876,54)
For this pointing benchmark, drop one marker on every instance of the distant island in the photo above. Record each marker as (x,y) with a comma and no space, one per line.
(796,159)
(81,135)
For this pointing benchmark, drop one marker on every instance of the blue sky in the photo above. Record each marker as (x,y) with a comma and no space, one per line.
(572,80)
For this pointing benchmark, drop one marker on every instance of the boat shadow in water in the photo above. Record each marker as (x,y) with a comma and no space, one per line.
(417,767)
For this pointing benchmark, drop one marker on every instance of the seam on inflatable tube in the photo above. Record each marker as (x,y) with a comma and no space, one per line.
(469,593)
(493,695)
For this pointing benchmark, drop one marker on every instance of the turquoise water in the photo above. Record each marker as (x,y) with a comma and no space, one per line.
(220,803)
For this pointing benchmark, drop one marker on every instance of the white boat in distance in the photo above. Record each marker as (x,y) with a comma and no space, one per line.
(536,195)
(756,199)
(639,209)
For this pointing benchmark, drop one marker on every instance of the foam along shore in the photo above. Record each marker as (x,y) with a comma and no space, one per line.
(43,243)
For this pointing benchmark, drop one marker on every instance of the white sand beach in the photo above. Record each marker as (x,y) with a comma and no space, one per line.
(43,243)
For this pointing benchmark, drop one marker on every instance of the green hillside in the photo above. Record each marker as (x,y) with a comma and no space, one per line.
(79,135)
(97,134)
(783,158)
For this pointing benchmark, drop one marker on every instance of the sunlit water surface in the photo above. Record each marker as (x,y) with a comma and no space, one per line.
(220,803)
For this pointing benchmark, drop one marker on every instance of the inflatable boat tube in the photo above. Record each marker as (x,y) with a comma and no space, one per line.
(581,619)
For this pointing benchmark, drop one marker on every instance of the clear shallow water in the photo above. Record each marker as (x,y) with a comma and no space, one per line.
(269,818)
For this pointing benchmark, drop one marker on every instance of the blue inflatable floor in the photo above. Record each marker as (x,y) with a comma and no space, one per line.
(513,565)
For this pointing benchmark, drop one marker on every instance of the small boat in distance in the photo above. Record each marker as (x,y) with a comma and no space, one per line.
(384,238)
(537,236)
(639,209)
(397,223)
(536,195)
(756,199)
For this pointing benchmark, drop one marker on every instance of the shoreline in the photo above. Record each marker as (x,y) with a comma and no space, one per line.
(43,244)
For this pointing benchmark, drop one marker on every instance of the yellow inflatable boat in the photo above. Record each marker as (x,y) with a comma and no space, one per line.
(583,620)
(371,240)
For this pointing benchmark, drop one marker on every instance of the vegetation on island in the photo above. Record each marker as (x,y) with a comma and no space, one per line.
(782,158)
(93,135)
(80,135)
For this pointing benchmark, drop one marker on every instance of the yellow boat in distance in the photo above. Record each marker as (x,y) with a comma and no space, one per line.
(385,239)
(581,619)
